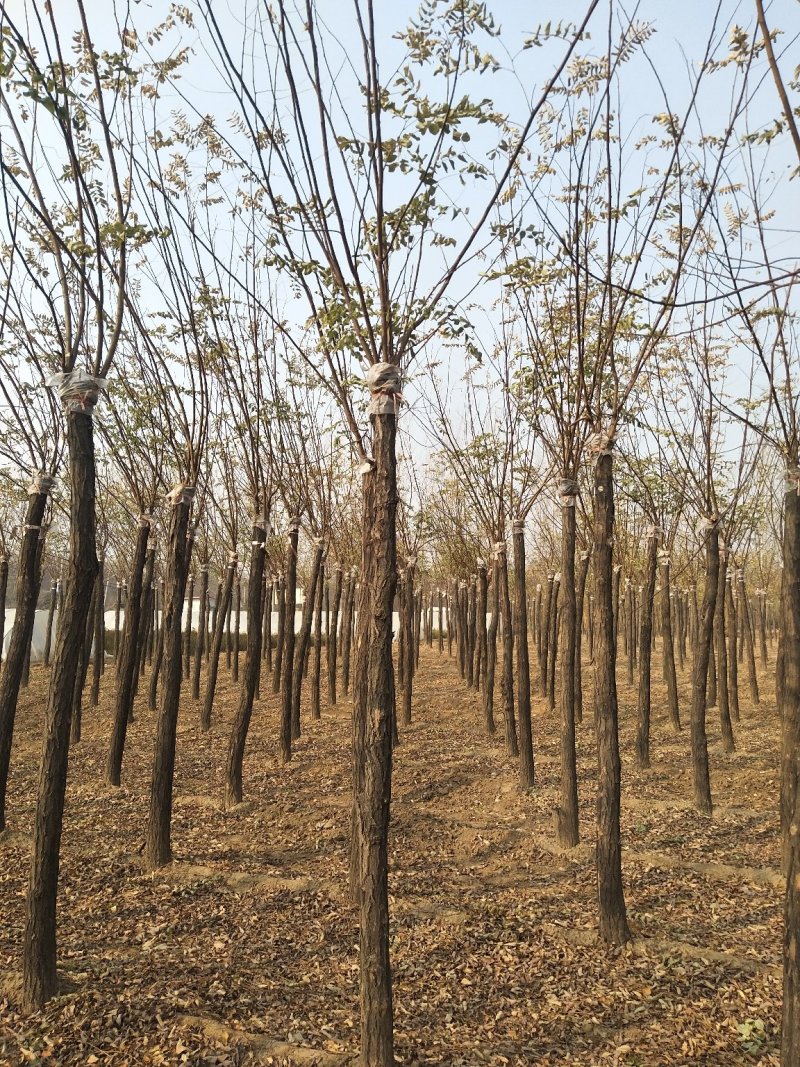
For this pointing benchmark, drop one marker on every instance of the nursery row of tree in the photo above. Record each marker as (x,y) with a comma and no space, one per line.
(399,328)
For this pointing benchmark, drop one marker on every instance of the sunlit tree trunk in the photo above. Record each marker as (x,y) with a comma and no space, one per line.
(39,976)
(252,666)
(158,847)
(526,765)
(646,652)
(221,612)
(127,657)
(567,828)
(613,918)
(28,581)
(373,709)
(704,644)
(288,640)
(790,794)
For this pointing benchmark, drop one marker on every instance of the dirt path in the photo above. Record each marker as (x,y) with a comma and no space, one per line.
(494,948)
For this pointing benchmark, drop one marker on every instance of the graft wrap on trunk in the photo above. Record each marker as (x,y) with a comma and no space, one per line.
(41,483)
(78,390)
(383,382)
(567,492)
(182,494)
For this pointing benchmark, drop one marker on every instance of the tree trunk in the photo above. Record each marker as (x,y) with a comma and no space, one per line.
(668,643)
(733,659)
(790,794)
(316,669)
(723,698)
(347,631)
(158,848)
(301,652)
(202,629)
(749,650)
(613,919)
(80,674)
(507,676)
(567,827)
(288,641)
(99,635)
(187,649)
(544,634)
(28,579)
(252,666)
(152,699)
(221,613)
(705,635)
(630,628)
(491,650)
(332,634)
(373,709)
(470,634)
(39,976)
(646,651)
(579,611)
(48,640)
(520,627)
(407,629)
(273,592)
(237,629)
(552,644)
(480,668)
(147,617)
(117,613)
(126,661)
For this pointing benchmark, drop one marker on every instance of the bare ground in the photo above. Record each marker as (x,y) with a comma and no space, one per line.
(245,949)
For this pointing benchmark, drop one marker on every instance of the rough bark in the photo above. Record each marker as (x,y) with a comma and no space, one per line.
(520,627)
(202,631)
(39,975)
(252,666)
(373,709)
(99,636)
(668,643)
(733,659)
(272,591)
(221,612)
(749,649)
(126,663)
(507,675)
(646,652)
(332,646)
(567,828)
(703,646)
(28,579)
(187,637)
(237,629)
(48,640)
(583,574)
(480,667)
(288,641)
(491,650)
(316,670)
(304,637)
(117,613)
(407,628)
(158,846)
(552,644)
(790,794)
(723,696)
(613,925)
(544,633)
